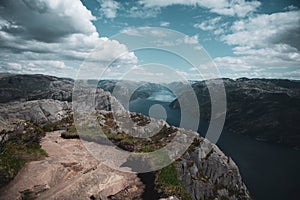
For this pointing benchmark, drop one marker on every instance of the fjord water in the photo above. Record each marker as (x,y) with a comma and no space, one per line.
(270,171)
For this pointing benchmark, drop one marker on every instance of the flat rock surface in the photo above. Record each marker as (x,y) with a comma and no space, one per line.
(69,172)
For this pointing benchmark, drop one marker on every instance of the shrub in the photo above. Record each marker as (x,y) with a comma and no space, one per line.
(19,146)
(167,183)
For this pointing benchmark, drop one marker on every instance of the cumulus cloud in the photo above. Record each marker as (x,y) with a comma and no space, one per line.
(50,67)
(263,43)
(109,8)
(214,25)
(265,29)
(208,25)
(48,36)
(276,34)
(247,68)
(239,8)
(47,21)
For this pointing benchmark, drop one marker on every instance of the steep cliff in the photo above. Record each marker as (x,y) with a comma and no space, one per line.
(206,173)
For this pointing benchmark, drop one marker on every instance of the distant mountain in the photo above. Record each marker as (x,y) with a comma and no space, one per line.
(25,87)
(136,90)
(33,87)
(265,109)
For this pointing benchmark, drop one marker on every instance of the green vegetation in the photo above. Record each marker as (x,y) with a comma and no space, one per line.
(147,149)
(20,146)
(72,129)
(59,125)
(167,183)
(130,143)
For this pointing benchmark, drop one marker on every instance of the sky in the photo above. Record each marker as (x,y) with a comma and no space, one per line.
(254,39)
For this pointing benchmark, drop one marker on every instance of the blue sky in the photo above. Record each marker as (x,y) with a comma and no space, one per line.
(244,38)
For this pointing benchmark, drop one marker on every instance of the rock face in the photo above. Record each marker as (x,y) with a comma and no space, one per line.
(265,109)
(32,87)
(37,111)
(206,173)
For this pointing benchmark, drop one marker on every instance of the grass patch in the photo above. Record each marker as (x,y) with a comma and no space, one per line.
(21,146)
(147,149)
(72,129)
(168,184)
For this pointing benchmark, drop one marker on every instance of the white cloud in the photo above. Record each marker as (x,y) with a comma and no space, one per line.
(142,31)
(140,11)
(50,36)
(259,65)
(56,68)
(131,31)
(191,40)
(239,8)
(265,42)
(214,25)
(164,24)
(291,7)
(267,58)
(208,25)
(109,8)
(46,20)
(265,29)
(282,51)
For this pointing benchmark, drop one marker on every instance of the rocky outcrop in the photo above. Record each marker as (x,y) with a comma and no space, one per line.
(48,110)
(37,111)
(206,173)
(32,87)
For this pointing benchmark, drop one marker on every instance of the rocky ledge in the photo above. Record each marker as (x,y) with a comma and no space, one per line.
(68,172)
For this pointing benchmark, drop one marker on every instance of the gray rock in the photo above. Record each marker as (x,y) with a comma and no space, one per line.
(15,87)
(206,172)
(37,111)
